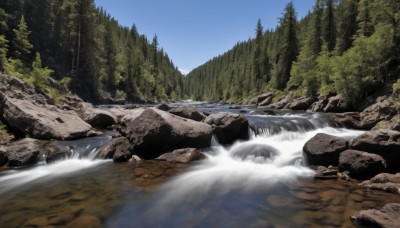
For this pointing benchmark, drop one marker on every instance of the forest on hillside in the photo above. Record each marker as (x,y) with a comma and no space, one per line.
(86,49)
(348,47)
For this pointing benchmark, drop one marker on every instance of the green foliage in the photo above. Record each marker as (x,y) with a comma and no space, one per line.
(120,95)
(39,74)
(15,68)
(21,41)
(3,52)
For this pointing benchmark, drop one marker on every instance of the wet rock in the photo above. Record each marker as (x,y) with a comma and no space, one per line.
(54,153)
(388,216)
(335,104)
(85,222)
(384,182)
(188,112)
(131,116)
(59,218)
(266,101)
(154,132)
(3,156)
(41,121)
(23,152)
(382,110)
(254,152)
(261,98)
(302,103)
(183,155)
(385,143)
(324,149)
(228,127)
(164,107)
(361,165)
(119,149)
(393,124)
(324,173)
(349,119)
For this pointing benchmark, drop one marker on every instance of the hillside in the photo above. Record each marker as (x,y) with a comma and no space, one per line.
(346,47)
(86,49)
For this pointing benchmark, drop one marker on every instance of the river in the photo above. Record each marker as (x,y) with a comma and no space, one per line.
(261,182)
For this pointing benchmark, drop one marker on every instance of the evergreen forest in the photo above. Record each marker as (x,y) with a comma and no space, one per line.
(86,49)
(347,47)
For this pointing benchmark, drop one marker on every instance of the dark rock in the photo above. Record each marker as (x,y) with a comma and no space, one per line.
(164,107)
(188,112)
(349,119)
(3,156)
(119,149)
(361,165)
(260,98)
(382,110)
(384,182)
(228,127)
(335,104)
(302,103)
(388,216)
(54,153)
(41,121)
(324,149)
(393,124)
(266,101)
(255,152)
(385,143)
(278,105)
(131,116)
(319,105)
(183,155)
(99,118)
(23,152)
(154,132)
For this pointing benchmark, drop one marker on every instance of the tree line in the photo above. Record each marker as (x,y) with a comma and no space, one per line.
(85,48)
(348,47)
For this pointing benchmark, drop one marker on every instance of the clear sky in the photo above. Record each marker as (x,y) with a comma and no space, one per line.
(194,31)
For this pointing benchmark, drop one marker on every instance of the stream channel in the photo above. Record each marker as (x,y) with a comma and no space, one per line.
(261,182)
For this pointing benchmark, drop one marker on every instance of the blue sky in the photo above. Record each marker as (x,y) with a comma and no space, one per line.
(194,31)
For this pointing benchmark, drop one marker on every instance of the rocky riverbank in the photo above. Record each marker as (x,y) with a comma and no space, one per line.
(31,121)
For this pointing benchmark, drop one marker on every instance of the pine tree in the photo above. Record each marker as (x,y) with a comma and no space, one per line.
(347,25)
(364,19)
(288,49)
(3,52)
(257,58)
(21,43)
(329,24)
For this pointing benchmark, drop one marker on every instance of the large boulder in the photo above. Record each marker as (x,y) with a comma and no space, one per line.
(279,104)
(29,151)
(183,155)
(228,127)
(260,98)
(41,121)
(384,182)
(154,132)
(119,149)
(324,149)
(385,143)
(335,104)
(302,103)
(131,116)
(188,112)
(349,119)
(382,110)
(99,118)
(393,124)
(388,216)
(164,107)
(361,165)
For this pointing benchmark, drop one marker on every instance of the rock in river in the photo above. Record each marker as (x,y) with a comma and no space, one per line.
(119,149)
(228,127)
(41,121)
(388,216)
(384,182)
(361,165)
(154,132)
(324,149)
(188,112)
(183,155)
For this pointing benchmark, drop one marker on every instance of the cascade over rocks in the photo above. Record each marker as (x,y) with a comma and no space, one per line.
(388,216)
(228,127)
(385,143)
(183,155)
(154,132)
(324,149)
(188,112)
(361,165)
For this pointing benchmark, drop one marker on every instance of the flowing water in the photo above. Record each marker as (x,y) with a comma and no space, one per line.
(261,182)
